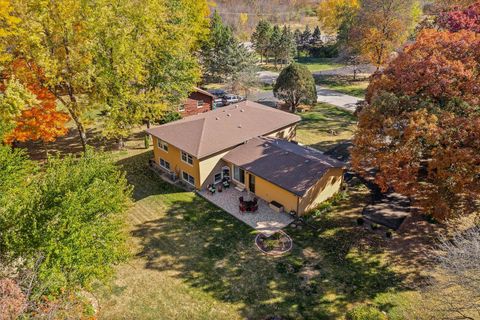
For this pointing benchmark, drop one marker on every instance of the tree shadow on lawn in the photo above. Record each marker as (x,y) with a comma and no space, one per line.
(70,144)
(211,250)
(145,182)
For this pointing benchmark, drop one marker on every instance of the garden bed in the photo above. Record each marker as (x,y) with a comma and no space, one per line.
(275,244)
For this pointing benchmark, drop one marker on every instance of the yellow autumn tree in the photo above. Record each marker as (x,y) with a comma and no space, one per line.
(8,24)
(382,26)
(333,13)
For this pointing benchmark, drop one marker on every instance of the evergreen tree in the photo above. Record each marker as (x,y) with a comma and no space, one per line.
(274,47)
(297,36)
(287,46)
(316,42)
(305,40)
(222,55)
(261,39)
(295,85)
(217,50)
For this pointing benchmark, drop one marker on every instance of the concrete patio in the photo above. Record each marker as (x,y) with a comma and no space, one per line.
(265,220)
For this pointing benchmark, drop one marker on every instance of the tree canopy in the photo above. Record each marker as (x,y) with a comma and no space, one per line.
(461,19)
(39,119)
(126,55)
(261,38)
(68,217)
(224,59)
(419,133)
(380,27)
(295,85)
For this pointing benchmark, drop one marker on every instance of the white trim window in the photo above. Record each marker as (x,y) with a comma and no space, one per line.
(238,174)
(187,158)
(164,164)
(162,145)
(200,103)
(181,107)
(218,178)
(188,178)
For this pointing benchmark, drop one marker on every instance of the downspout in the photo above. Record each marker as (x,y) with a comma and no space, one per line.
(298,205)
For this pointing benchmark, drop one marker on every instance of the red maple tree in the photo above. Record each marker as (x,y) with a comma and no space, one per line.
(42,121)
(461,19)
(419,133)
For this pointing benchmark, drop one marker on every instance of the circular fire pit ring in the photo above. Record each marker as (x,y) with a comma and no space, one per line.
(276,244)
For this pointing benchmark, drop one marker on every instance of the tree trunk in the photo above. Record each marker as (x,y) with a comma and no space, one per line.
(121,143)
(45,149)
(148,123)
(81,130)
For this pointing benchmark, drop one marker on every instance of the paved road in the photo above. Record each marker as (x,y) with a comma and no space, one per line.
(326,95)
(332,97)
(341,100)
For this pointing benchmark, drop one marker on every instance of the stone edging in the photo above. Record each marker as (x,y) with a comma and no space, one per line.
(275,253)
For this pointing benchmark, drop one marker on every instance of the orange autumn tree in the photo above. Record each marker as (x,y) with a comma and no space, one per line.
(41,121)
(419,133)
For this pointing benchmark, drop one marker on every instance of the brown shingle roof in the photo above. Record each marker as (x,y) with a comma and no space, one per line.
(196,89)
(207,133)
(288,165)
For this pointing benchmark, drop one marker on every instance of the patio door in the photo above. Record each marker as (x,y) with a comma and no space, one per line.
(251,183)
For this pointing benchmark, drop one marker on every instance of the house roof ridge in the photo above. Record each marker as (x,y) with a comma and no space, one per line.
(201,136)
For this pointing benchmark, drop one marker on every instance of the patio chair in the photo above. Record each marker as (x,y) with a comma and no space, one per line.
(226,184)
(241,207)
(211,189)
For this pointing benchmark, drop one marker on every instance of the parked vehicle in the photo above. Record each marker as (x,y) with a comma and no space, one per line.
(231,98)
(217,103)
(219,93)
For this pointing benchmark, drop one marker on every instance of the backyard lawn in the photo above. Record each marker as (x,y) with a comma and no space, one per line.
(193,261)
(325,125)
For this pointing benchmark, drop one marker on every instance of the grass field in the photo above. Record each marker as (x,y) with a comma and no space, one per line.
(319,64)
(193,261)
(344,84)
(313,64)
(325,125)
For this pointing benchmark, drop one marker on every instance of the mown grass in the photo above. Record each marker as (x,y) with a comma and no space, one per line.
(319,64)
(344,84)
(325,126)
(194,261)
(313,64)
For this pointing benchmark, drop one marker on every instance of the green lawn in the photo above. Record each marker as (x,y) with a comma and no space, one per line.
(193,261)
(313,64)
(344,84)
(325,125)
(319,64)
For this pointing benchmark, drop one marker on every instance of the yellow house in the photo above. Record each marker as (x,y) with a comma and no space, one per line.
(249,144)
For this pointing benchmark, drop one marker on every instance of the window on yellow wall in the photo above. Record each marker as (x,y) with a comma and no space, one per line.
(162,145)
(187,158)
(164,164)
(188,178)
